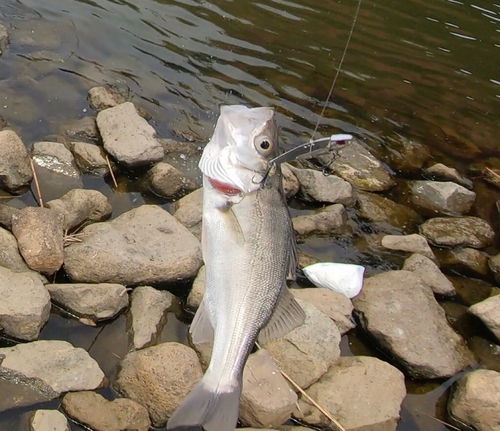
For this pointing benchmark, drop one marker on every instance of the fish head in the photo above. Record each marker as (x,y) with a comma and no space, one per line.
(244,140)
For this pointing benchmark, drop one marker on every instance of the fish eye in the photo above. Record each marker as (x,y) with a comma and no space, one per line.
(264,145)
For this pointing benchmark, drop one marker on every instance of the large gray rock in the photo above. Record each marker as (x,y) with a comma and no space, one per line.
(307,352)
(189,209)
(361,392)
(145,245)
(430,274)
(103,98)
(266,398)
(328,221)
(458,231)
(357,166)
(411,243)
(24,305)
(128,137)
(147,312)
(144,376)
(197,290)
(39,234)
(442,198)
(399,311)
(99,414)
(48,420)
(445,173)
(476,399)
(167,181)
(15,170)
(90,158)
(489,312)
(317,187)
(55,157)
(81,205)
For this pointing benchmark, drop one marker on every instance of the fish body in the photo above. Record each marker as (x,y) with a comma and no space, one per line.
(248,248)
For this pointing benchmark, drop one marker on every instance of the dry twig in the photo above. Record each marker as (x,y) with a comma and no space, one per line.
(37,184)
(111,172)
(72,238)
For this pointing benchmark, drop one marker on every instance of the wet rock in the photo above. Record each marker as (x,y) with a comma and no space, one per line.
(173,146)
(80,205)
(94,301)
(361,392)
(442,172)
(335,305)
(430,274)
(128,137)
(145,374)
(327,221)
(494,264)
(85,127)
(25,304)
(145,245)
(458,231)
(103,98)
(468,261)
(55,157)
(147,312)
(15,170)
(266,399)
(413,243)
(423,342)
(471,291)
(50,368)
(6,213)
(306,259)
(357,166)
(197,290)
(9,253)
(291,184)
(488,169)
(90,158)
(407,156)
(489,312)
(380,210)
(189,209)
(307,352)
(317,187)
(4,39)
(476,399)
(442,198)
(39,234)
(94,411)
(167,181)
(48,420)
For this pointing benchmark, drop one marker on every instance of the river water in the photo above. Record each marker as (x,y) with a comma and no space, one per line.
(426,70)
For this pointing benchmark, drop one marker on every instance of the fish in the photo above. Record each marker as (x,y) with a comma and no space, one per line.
(249,250)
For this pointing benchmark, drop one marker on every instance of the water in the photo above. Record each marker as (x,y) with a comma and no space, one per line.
(426,70)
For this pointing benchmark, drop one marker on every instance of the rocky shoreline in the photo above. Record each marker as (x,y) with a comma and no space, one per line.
(126,264)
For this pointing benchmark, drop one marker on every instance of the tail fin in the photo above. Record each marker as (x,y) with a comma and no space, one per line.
(208,410)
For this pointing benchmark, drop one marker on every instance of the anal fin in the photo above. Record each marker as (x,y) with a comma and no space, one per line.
(201,329)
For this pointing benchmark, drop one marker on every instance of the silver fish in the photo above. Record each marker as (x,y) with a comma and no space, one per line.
(249,250)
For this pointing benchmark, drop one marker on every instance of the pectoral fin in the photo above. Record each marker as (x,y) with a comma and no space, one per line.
(234,229)
(287,316)
(201,329)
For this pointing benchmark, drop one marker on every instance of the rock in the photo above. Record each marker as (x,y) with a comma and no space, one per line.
(84,127)
(145,245)
(441,198)
(361,392)
(458,231)
(307,352)
(55,157)
(335,305)
(489,312)
(39,234)
(357,166)
(94,411)
(380,210)
(476,399)
(327,221)
(128,137)
(167,181)
(103,98)
(145,374)
(173,146)
(9,253)
(3,123)
(49,368)
(306,259)
(430,274)
(471,291)
(15,170)
(4,39)
(90,158)
(94,301)
(407,156)
(442,172)
(411,243)
(189,209)
(48,420)
(197,290)
(79,206)
(317,187)
(25,304)
(147,312)
(266,398)
(468,261)
(291,184)
(494,264)
(6,213)
(399,311)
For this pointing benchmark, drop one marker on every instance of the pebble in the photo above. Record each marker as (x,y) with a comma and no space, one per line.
(167,181)
(48,420)
(15,170)
(413,243)
(430,274)
(442,172)
(197,290)
(489,312)
(101,98)
(188,210)
(328,221)
(90,158)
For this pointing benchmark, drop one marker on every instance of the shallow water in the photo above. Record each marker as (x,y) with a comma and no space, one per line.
(426,70)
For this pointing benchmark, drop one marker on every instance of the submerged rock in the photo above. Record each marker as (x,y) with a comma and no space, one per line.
(167,181)
(15,170)
(145,245)
(328,221)
(90,158)
(48,420)
(189,209)
(361,392)
(494,264)
(476,399)
(430,274)
(399,311)
(489,312)
(468,261)
(413,243)
(442,172)
(55,157)
(407,156)
(84,127)
(103,98)
(173,146)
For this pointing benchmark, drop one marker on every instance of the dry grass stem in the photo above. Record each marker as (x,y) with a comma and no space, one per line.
(111,172)
(71,239)
(491,171)
(37,184)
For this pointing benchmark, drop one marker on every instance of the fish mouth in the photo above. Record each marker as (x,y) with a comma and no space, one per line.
(225,188)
